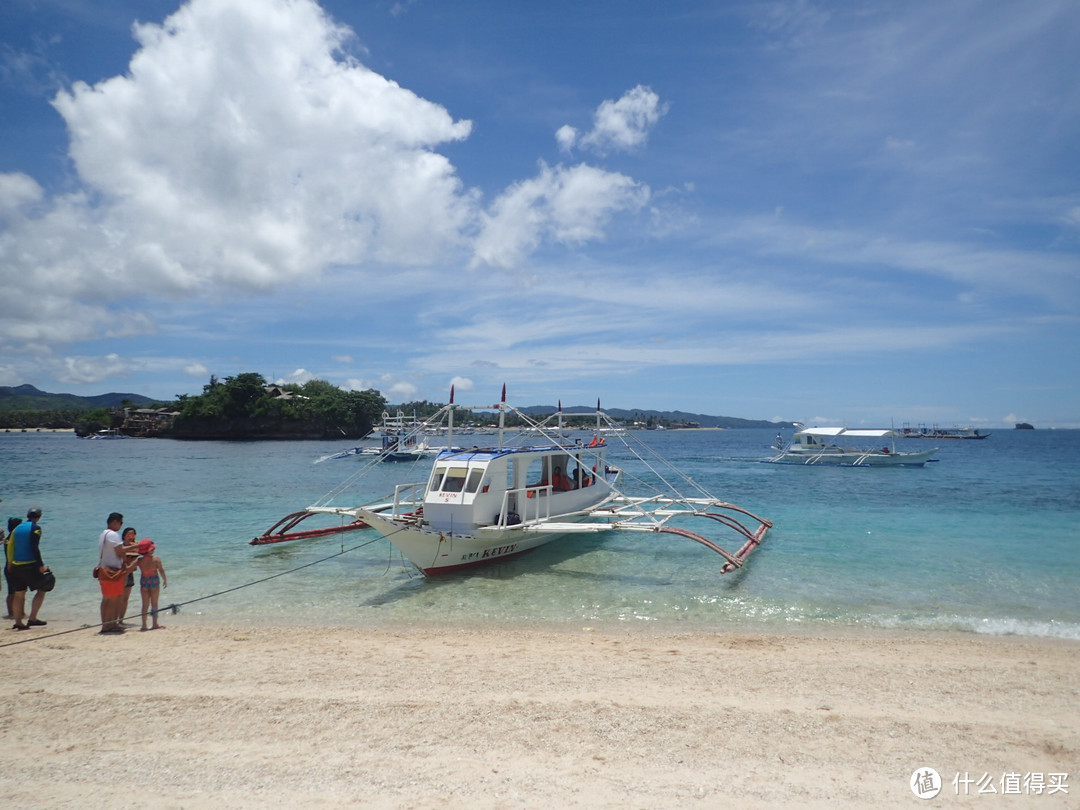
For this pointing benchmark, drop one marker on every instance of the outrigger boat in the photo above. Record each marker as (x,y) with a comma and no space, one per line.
(401,438)
(935,432)
(108,433)
(817,445)
(482,504)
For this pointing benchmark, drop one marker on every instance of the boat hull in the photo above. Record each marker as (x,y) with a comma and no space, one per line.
(436,553)
(846,458)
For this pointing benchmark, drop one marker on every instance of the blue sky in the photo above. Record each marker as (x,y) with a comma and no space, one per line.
(858,213)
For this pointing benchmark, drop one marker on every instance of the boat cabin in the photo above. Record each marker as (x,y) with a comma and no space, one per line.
(816,438)
(469,489)
(822,444)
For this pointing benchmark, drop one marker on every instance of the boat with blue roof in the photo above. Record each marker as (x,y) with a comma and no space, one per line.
(479,505)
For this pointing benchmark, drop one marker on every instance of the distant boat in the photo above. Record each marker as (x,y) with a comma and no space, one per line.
(816,445)
(405,447)
(400,438)
(935,432)
(359,450)
(1024,426)
(110,433)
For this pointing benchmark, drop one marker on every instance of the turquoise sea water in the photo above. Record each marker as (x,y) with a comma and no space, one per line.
(985,541)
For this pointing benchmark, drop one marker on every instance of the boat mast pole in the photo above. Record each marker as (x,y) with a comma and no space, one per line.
(502,416)
(450,422)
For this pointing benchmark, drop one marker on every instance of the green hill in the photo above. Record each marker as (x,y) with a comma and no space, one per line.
(28,398)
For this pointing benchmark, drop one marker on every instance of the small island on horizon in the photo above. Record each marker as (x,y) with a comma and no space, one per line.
(247,406)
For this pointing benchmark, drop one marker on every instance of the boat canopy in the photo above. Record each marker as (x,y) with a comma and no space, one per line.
(856,433)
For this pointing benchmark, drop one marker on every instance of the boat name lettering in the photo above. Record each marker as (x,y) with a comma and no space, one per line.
(488,553)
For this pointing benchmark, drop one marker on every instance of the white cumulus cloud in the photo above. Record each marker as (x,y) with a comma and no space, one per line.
(79,370)
(17,190)
(247,148)
(242,135)
(566,136)
(401,392)
(624,124)
(568,205)
(300,376)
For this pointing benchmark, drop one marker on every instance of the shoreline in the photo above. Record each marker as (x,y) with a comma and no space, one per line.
(584,715)
(37,430)
(70,609)
(68,614)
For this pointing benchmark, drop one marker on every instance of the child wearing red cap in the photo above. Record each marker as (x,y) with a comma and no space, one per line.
(151,580)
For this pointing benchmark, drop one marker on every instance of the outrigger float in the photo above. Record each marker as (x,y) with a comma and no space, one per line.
(282,531)
(483,504)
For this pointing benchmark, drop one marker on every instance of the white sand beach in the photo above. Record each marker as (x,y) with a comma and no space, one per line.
(239,717)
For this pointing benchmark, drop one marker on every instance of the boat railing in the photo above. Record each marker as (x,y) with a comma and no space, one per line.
(533,503)
(408,497)
(537,502)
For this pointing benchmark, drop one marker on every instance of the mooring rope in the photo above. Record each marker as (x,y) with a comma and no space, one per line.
(175,607)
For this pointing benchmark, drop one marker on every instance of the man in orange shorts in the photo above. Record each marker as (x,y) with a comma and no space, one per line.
(112,575)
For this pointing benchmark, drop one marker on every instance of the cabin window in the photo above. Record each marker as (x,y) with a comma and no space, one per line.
(436,479)
(537,476)
(575,473)
(455,480)
(475,477)
(560,474)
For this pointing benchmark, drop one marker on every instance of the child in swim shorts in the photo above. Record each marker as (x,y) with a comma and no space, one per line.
(151,580)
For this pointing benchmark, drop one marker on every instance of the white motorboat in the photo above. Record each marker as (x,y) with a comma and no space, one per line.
(483,504)
(820,445)
(108,433)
